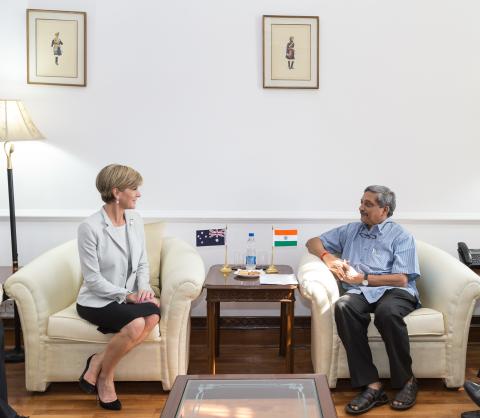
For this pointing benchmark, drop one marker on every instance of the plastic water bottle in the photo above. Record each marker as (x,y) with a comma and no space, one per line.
(251,258)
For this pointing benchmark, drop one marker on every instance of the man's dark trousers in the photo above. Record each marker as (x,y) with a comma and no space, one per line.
(5,410)
(352,315)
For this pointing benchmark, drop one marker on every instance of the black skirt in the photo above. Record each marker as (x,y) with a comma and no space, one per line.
(112,318)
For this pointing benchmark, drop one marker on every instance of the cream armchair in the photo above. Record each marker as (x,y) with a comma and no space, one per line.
(438,331)
(58,342)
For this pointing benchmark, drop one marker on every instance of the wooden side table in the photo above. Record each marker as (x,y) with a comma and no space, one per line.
(228,288)
(5,273)
(477,271)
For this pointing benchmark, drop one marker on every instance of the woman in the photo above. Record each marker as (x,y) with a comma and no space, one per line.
(115,294)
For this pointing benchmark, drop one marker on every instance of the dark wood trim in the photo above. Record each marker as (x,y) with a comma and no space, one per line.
(301,323)
(250,322)
(173,401)
(474,333)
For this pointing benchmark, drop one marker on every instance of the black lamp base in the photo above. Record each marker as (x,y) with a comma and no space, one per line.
(14,356)
(471,414)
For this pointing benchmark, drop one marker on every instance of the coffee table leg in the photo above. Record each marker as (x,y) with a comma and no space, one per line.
(217,329)
(289,337)
(211,329)
(283,327)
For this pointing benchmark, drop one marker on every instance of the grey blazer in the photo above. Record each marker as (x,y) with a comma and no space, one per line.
(104,260)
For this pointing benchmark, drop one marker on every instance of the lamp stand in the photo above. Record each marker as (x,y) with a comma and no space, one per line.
(17,355)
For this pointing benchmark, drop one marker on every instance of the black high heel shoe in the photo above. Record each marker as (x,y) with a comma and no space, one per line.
(115,405)
(84,385)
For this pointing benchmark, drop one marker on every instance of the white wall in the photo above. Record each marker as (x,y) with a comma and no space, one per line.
(36,235)
(174,89)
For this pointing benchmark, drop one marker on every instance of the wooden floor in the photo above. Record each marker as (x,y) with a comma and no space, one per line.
(146,399)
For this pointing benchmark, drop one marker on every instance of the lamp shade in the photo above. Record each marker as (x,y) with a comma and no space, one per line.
(15,122)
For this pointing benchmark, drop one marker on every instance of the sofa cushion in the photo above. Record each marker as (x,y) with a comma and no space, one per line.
(153,244)
(67,325)
(423,321)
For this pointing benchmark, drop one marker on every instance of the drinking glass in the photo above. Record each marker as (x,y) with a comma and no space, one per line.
(239,259)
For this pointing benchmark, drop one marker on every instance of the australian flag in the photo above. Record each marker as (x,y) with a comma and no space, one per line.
(207,237)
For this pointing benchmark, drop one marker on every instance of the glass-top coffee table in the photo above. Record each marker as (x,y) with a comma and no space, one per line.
(250,396)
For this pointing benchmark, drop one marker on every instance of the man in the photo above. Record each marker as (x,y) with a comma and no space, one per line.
(290,53)
(5,410)
(473,391)
(57,47)
(378,268)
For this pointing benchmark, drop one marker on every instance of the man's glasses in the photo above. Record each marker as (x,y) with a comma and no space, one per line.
(368,236)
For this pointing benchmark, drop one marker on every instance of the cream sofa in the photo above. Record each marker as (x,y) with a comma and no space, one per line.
(58,342)
(438,331)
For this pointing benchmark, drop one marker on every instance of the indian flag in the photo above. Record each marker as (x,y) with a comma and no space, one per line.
(285,237)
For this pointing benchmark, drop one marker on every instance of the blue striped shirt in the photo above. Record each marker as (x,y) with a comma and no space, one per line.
(386,248)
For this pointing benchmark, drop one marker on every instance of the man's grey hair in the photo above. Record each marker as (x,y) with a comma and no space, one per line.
(385,197)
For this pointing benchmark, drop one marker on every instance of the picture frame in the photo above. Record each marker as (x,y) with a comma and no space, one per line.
(56,47)
(290,52)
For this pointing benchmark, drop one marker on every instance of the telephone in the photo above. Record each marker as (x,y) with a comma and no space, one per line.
(470,257)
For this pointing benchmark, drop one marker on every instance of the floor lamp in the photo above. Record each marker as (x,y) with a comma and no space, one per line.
(15,125)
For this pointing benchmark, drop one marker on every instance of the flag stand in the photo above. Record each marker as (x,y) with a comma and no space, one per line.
(271,268)
(226,269)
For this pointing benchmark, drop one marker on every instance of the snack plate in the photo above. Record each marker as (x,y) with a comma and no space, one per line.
(248,274)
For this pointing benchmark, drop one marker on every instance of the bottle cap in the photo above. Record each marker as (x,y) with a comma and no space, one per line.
(251,234)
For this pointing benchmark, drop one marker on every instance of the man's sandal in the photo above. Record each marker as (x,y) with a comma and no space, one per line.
(366,400)
(407,397)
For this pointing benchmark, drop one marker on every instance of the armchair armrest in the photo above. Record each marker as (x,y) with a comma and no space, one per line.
(46,285)
(182,271)
(318,284)
(448,286)
(314,276)
(182,276)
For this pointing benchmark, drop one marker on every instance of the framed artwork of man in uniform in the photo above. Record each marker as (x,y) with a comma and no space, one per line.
(56,47)
(290,52)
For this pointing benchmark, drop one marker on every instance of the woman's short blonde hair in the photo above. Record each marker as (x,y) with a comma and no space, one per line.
(116,176)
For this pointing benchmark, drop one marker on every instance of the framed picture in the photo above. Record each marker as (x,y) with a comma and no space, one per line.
(56,47)
(290,52)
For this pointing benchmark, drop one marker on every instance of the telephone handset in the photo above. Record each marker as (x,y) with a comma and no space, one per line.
(470,257)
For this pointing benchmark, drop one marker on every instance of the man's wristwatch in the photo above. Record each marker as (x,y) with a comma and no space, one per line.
(365,280)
